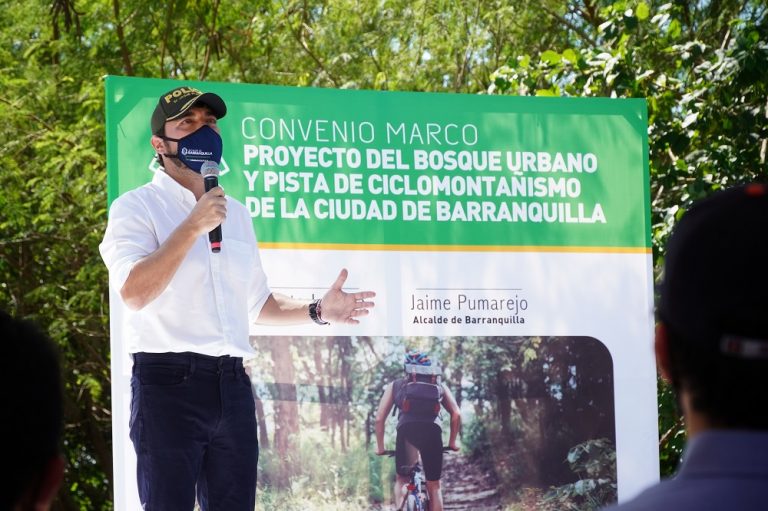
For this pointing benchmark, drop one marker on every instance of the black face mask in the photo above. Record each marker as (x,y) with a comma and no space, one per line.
(202,145)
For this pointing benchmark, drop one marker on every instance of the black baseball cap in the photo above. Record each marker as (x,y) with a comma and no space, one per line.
(174,103)
(714,290)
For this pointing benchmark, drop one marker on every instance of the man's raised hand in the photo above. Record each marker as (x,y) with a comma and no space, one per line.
(338,306)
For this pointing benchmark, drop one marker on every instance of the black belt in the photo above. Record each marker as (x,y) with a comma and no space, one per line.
(195,360)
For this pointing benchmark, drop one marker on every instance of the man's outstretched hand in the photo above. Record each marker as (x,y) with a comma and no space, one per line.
(338,306)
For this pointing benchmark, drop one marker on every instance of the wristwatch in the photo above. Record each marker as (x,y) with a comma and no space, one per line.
(315,312)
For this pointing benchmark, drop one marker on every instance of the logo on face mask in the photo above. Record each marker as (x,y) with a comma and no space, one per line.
(202,145)
(196,153)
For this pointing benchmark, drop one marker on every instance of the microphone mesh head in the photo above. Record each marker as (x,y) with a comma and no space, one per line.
(209,168)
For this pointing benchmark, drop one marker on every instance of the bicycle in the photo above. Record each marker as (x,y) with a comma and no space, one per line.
(416,497)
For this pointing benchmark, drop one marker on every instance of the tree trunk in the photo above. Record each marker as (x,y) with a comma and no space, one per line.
(262,422)
(504,403)
(345,380)
(286,406)
(457,375)
(321,378)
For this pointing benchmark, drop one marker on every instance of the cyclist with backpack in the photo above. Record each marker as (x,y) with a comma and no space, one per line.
(419,396)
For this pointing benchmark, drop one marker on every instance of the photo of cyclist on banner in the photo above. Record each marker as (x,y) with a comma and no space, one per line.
(418,397)
(533,417)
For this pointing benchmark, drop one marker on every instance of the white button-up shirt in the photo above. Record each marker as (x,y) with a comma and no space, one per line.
(212,300)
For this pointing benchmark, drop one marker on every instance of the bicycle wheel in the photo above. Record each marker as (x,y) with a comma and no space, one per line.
(411,503)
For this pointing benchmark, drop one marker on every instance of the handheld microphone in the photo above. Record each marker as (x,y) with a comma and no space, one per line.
(210,173)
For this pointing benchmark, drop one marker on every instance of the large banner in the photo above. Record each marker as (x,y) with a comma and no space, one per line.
(508,237)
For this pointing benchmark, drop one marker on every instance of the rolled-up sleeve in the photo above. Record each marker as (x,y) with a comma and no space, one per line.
(129,238)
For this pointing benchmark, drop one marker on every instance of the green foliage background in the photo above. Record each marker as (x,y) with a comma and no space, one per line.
(702,65)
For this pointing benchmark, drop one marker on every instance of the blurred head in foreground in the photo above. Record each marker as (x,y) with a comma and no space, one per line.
(31,400)
(712,339)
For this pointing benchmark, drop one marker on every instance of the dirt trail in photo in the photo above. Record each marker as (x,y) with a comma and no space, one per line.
(466,486)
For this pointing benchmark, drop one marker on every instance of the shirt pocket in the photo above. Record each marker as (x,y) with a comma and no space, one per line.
(238,258)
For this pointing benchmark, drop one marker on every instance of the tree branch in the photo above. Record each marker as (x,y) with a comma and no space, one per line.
(420,49)
(211,41)
(164,41)
(464,66)
(568,23)
(302,42)
(121,39)
(670,432)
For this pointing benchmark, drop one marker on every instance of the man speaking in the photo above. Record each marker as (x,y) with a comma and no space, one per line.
(188,311)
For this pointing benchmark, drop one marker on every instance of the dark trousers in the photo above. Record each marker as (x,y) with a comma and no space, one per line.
(193,425)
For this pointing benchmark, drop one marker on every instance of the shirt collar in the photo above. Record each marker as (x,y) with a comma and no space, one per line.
(172,188)
(720,452)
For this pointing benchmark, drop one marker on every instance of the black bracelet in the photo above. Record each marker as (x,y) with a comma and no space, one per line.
(315,312)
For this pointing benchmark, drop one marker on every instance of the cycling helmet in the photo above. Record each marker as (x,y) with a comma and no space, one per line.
(417,358)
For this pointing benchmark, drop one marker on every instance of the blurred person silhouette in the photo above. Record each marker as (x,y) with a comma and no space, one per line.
(712,346)
(32,426)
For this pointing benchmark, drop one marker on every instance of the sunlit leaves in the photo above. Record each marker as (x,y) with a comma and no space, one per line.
(703,69)
(642,11)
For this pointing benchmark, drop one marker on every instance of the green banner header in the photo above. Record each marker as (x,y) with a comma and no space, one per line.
(348,168)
